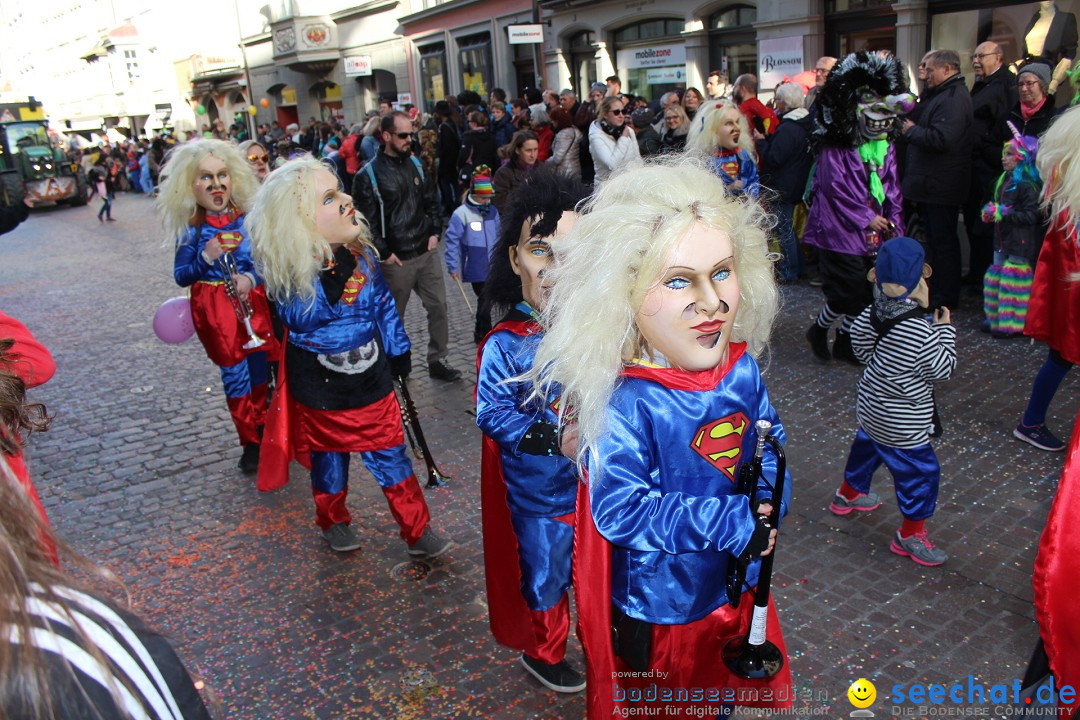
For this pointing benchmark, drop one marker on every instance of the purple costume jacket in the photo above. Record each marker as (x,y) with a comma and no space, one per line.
(842,205)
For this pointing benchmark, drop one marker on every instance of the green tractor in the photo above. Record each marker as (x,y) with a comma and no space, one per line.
(31,164)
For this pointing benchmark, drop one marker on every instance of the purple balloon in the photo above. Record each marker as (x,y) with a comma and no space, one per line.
(172,321)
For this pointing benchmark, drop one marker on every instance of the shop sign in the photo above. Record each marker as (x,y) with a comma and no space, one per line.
(777,58)
(404,98)
(651,56)
(665,76)
(525,34)
(358,66)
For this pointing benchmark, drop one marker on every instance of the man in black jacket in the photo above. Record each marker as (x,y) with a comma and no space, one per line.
(446,149)
(992,96)
(402,209)
(938,172)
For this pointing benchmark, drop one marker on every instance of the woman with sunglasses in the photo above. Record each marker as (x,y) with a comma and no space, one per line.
(611,141)
(257,157)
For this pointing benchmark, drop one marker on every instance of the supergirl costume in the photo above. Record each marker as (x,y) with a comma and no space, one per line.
(736,164)
(657,526)
(338,396)
(244,373)
(528,491)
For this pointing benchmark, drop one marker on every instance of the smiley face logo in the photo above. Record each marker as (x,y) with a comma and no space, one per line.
(862,693)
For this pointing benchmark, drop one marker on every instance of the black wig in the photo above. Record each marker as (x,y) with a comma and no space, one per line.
(539,201)
(835,105)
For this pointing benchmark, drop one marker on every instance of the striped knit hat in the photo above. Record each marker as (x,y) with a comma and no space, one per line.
(481,182)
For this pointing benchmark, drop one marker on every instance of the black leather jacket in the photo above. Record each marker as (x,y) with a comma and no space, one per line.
(409,206)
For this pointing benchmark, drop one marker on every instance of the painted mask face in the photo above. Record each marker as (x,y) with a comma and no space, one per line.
(532,256)
(688,315)
(212,185)
(335,218)
(728,134)
(877,115)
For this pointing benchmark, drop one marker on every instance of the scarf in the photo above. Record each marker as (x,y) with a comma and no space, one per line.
(887,308)
(872,153)
(1028,111)
(612,130)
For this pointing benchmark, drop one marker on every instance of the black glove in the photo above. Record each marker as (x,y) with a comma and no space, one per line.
(759,541)
(401,365)
(542,438)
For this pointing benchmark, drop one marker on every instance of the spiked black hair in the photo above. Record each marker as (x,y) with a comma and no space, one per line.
(539,201)
(835,106)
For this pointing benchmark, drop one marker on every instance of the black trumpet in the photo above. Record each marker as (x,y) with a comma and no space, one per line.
(415,433)
(751,656)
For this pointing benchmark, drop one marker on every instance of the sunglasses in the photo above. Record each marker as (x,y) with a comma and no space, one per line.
(258,158)
(616,112)
(403,135)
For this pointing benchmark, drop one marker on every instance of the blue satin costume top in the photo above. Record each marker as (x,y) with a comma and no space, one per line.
(189,266)
(366,310)
(537,485)
(663,491)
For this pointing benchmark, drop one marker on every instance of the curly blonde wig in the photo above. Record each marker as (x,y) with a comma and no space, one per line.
(288,250)
(617,252)
(1059,167)
(702,136)
(176,200)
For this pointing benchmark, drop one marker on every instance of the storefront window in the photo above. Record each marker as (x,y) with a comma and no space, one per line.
(433,73)
(582,63)
(844,5)
(1006,26)
(733,42)
(649,29)
(476,63)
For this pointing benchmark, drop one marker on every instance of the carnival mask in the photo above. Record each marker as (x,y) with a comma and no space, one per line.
(877,115)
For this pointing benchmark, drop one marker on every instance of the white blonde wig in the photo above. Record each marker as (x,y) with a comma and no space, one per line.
(616,253)
(1058,166)
(176,199)
(703,128)
(288,250)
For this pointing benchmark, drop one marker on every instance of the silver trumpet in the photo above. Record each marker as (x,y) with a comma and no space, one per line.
(241,306)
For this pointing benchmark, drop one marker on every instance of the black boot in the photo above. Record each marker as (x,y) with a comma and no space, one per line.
(819,342)
(249,461)
(841,348)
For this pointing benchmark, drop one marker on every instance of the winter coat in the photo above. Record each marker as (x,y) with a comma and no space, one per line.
(938,168)
(672,142)
(478,147)
(991,100)
(565,152)
(508,177)
(786,156)
(447,147)
(608,155)
(545,136)
(1020,231)
(470,237)
(503,130)
(350,153)
(409,206)
(648,141)
(1034,127)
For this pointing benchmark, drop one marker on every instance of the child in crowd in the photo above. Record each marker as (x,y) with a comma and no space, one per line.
(1017,221)
(345,346)
(470,238)
(721,132)
(660,298)
(904,356)
(527,486)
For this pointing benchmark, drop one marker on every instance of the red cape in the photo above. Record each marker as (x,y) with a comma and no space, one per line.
(509,615)
(1054,308)
(1057,604)
(592,588)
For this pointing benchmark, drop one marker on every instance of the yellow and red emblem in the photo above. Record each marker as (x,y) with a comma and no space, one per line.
(229,240)
(353,286)
(720,442)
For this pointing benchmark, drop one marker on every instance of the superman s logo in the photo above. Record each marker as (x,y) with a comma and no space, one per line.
(229,240)
(720,442)
(353,286)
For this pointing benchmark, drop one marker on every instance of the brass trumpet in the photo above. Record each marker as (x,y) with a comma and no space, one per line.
(752,656)
(240,305)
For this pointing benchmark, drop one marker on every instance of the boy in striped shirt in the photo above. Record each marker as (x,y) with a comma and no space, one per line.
(904,355)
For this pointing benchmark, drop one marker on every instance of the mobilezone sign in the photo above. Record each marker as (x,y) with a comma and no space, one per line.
(651,56)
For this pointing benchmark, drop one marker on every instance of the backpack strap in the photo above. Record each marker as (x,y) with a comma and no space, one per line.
(370,172)
(882,327)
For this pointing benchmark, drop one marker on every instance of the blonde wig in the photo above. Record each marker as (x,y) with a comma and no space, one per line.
(176,200)
(1059,168)
(616,253)
(288,251)
(702,136)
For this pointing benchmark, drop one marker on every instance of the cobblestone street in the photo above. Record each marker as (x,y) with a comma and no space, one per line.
(139,473)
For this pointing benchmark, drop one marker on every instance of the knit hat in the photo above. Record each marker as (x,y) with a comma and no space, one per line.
(899,264)
(481,182)
(1039,70)
(443,108)
(598,87)
(642,117)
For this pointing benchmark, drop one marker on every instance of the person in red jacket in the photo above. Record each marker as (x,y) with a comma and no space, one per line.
(758,114)
(350,151)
